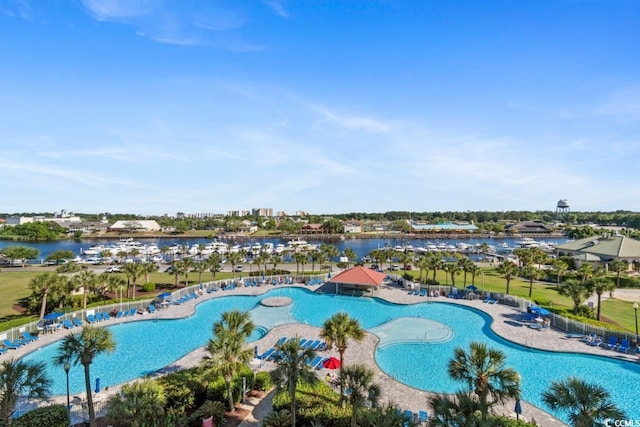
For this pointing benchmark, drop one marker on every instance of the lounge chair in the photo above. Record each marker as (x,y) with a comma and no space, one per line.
(267,353)
(67,324)
(281,341)
(91,318)
(624,346)
(315,361)
(408,415)
(152,308)
(3,350)
(13,345)
(612,344)
(423,292)
(133,312)
(320,364)
(105,316)
(575,335)
(423,416)
(78,322)
(28,337)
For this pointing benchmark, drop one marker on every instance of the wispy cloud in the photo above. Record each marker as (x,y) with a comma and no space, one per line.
(278,7)
(622,105)
(349,121)
(215,24)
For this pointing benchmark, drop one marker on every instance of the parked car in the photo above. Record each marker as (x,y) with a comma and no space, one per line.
(113,270)
(394,267)
(408,267)
(238,268)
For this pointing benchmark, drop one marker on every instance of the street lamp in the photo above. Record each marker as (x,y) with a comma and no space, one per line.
(67,367)
(482,274)
(635,311)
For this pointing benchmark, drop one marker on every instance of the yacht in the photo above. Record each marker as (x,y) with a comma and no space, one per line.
(279,248)
(268,248)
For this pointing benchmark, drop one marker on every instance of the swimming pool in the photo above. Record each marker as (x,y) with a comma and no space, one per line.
(146,346)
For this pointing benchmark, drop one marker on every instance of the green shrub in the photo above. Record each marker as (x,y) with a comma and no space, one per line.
(508,422)
(543,302)
(317,403)
(209,409)
(341,265)
(184,389)
(263,381)
(149,287)
(50,416)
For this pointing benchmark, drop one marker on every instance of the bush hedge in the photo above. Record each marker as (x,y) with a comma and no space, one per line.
(149,287)
(316,404)
(263,381)
(50,416)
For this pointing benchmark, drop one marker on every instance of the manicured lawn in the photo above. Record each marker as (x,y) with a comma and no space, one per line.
(620,312)
(13,287)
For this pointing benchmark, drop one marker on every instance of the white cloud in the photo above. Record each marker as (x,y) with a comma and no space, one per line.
(622,105)
(350,121)
(278,7)
(120,10)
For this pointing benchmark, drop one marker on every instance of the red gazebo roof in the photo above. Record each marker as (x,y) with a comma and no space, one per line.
(359,275)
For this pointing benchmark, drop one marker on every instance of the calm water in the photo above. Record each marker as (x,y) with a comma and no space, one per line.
(360,246)
(147,346)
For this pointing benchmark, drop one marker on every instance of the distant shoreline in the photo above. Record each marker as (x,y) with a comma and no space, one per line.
(320,237)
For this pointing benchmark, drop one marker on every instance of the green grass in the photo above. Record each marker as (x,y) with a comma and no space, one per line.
(619,312)
(13,288)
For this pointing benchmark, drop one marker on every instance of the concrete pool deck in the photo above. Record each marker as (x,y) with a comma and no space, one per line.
(505,323)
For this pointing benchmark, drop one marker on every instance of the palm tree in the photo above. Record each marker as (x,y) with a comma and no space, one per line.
(434,261)
(299,258)
(600,285)
(359,380)
(484,371)
(453,269)
(43,284)
(587,404)
(148,268)
(200,267)
(337,331)
(281,418)
(293,368)
(236,322)
(331,252)
(86,280)
(213,262)
(20,378)
(386,416)
(577,290)
(82,349)
(585,271)
(138,404)
(234,258)
(460,410)
(618,266)
(508,269)
(533,273)
(275,260)
(423,265)
(132,272)
(227,349)
(351,255)
(560,267)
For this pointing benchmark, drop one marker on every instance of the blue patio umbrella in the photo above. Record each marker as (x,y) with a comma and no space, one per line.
(518,408)
(539,311)
(472,288)
(97,385)
(164,295)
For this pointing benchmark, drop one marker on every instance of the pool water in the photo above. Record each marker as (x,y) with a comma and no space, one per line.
(146,346)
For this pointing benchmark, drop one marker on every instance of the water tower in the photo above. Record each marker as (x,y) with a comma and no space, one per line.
(562,208)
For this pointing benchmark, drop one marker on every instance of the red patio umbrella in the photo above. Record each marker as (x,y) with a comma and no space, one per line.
(331,363)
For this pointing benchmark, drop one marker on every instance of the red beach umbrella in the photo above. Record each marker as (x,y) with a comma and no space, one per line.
(331,363)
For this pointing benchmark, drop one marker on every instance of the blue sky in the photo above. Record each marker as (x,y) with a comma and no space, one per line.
(327,106)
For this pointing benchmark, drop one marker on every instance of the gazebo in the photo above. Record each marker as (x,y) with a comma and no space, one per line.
(358,278)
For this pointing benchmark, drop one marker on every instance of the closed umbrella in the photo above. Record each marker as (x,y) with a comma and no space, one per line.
(518,408)
(97,385)
(472,288)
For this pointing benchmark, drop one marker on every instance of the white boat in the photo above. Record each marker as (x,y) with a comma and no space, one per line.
(527,242)
(93,250)
(279,248)
(268,248)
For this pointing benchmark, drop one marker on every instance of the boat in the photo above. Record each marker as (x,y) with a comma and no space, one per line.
(268,248)
(279,248)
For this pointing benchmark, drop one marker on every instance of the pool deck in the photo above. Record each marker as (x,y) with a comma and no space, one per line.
(505,323)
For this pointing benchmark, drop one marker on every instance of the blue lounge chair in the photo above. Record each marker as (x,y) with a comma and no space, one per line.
(612,344)
(28,337)
(67,324)
(152,308)
(11,344)
(411,292)
(423,416)
(91,318)
(267,353)
(624,346)
(408,415)
(423,292)
(575,335)
(3,350)
(105,316)
(315,361)
(281,341)
(320,364)
(78,322)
